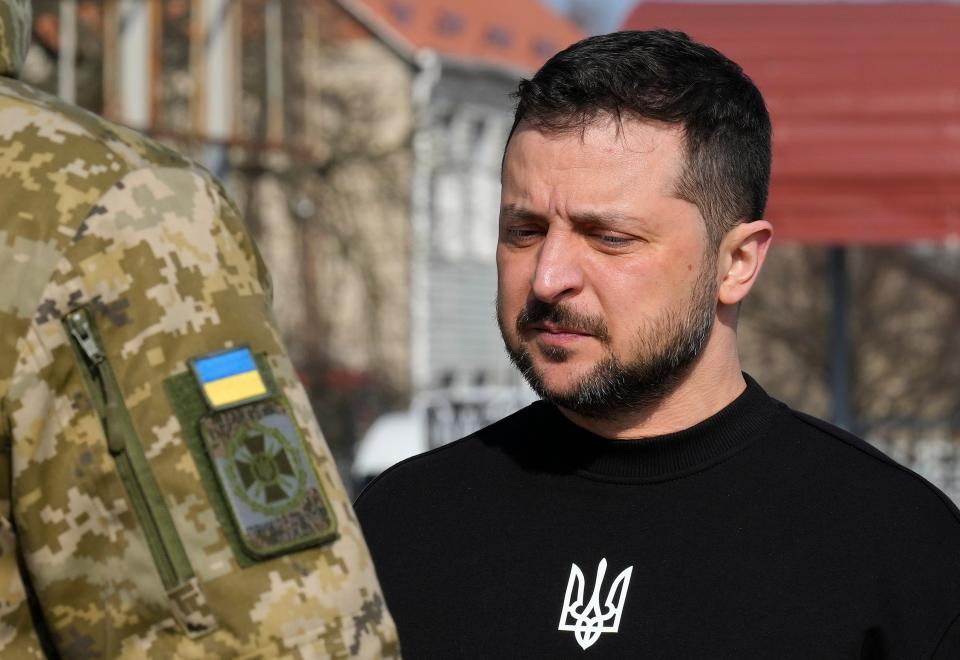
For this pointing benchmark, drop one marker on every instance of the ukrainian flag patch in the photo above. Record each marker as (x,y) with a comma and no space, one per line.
(229,378)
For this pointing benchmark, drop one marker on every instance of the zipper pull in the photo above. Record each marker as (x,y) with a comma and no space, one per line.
(80,328)
(110,404)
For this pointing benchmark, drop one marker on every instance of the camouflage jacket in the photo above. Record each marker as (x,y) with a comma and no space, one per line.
(164,488)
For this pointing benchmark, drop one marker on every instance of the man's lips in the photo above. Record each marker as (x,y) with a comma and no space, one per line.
(552,333)
(555,329)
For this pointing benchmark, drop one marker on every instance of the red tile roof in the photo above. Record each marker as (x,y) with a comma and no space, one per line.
(518,34)
(865,100)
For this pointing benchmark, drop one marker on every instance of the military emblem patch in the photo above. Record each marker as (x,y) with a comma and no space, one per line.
(272,490)
(253,460)
(263,468)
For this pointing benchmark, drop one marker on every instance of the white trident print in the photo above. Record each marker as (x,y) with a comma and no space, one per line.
(588,621)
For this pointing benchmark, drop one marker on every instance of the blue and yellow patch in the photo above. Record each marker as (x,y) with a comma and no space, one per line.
(229,379)
(250,454)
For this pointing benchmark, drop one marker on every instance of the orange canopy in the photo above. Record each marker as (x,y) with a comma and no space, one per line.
(865,101)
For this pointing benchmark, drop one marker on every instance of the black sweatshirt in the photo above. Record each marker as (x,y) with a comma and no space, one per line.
(758,533)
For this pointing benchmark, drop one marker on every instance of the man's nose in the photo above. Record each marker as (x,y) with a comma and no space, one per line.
(558,274)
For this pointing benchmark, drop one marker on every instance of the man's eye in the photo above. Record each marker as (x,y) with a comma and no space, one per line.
(613,240)
(522,234)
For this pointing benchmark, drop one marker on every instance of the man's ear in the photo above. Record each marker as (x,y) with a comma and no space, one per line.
(741,256)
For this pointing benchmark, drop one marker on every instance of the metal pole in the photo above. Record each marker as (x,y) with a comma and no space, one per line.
(134,63)
(840,358)
(424,82)
(197,54)
(67,59)
(273,22)
(217,84)
(111,56)
(155,83)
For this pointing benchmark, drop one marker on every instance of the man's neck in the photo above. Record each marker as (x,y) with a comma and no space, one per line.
(709,387)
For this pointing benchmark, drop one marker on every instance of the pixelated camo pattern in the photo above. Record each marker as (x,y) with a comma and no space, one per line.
(15,29)
(95,215)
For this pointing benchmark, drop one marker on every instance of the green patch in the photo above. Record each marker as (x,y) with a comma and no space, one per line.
(257,470)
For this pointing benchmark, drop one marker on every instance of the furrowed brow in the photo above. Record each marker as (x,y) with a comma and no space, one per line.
(604,218)
(611,219)
(517,212)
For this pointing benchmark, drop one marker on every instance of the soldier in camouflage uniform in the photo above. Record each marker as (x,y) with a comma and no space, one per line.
(164,488)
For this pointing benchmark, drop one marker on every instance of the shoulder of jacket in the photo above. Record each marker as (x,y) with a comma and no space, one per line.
(32,113)
(65,164)
(68,159)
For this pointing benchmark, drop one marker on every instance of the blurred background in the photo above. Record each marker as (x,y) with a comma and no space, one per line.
(362,141)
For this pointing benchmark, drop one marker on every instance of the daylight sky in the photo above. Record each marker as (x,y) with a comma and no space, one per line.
(594,16)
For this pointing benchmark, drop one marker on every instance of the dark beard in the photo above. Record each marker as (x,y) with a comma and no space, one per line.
(665,350)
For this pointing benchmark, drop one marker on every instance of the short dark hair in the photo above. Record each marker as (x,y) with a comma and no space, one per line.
(665,76)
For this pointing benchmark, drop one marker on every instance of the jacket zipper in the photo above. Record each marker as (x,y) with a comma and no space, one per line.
(133,468)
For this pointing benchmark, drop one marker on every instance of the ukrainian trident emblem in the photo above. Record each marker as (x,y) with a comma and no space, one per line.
(588,621)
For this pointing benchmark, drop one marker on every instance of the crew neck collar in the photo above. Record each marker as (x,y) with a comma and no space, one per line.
(661,457)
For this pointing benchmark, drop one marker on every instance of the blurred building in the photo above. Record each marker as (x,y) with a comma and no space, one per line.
(468,57)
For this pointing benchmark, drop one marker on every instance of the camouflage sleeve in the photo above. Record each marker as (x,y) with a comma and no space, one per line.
(17,636)
(172,491)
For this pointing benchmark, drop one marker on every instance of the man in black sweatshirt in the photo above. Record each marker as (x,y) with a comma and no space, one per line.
(657,503)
